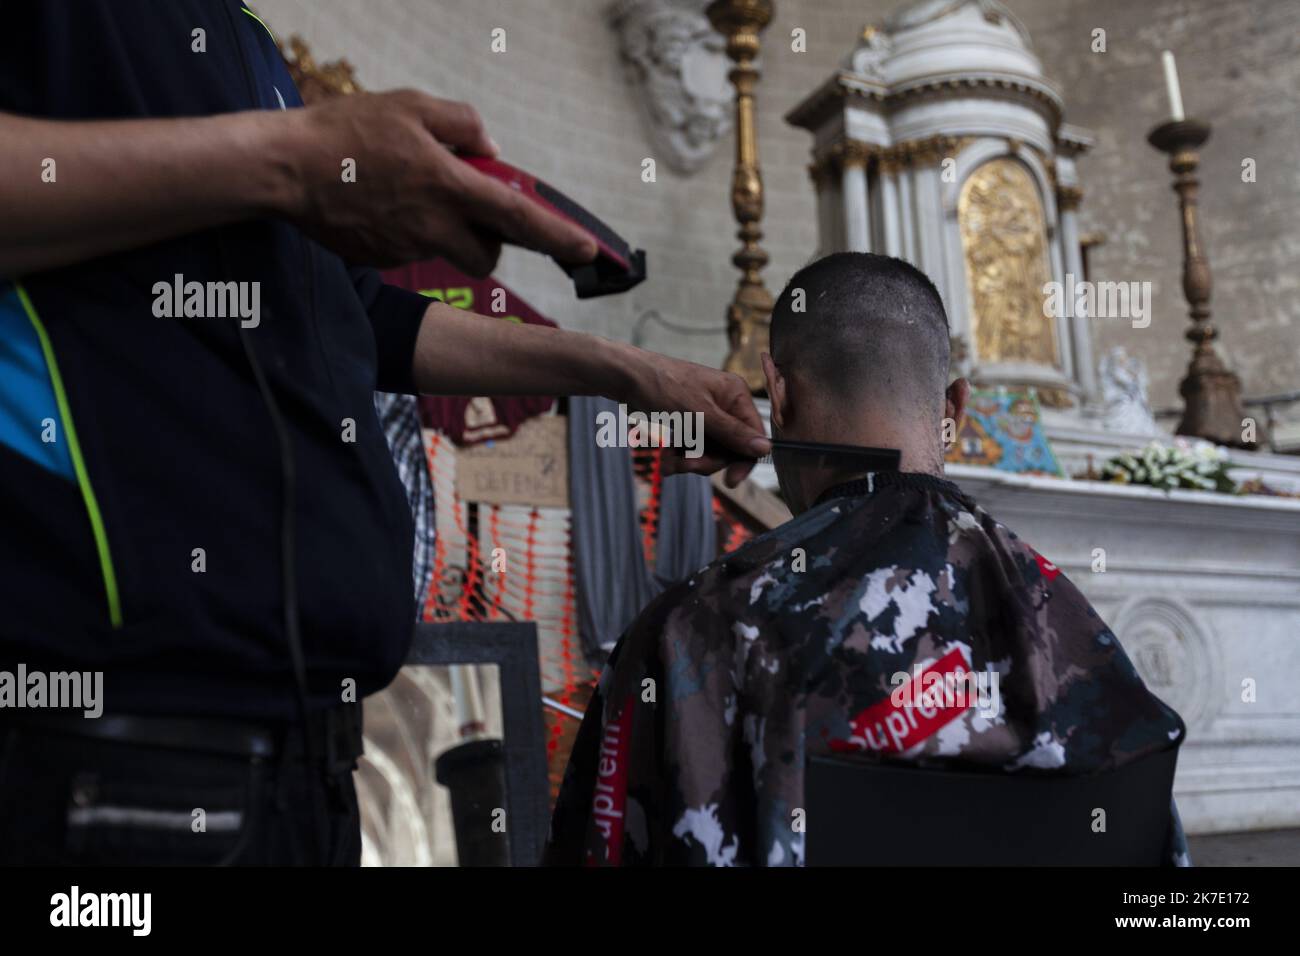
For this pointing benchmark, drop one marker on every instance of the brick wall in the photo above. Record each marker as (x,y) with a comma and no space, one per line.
(558,104)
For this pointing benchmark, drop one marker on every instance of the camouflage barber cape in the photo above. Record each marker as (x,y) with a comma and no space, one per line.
(693,748)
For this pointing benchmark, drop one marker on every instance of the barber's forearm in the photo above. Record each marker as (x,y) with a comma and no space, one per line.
(461,353)
(72,190)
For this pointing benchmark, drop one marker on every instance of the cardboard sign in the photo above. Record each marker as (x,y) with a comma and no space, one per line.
(530,468)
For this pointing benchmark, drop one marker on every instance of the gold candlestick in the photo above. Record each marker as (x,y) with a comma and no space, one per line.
(749,314)
(1212,406)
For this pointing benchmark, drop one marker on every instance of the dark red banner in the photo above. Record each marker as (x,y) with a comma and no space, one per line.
(466,420)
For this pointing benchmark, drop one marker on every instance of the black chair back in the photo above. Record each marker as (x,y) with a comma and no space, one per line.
(864,813)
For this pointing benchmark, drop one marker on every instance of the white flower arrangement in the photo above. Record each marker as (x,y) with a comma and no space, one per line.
(1201,466)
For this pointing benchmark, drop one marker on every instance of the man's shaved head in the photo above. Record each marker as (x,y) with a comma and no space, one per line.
(862,329)
(859,357)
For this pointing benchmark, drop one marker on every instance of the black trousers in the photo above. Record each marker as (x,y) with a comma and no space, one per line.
(78,801)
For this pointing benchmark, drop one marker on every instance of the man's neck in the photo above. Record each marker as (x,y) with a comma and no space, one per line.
(916,438)
(911,461)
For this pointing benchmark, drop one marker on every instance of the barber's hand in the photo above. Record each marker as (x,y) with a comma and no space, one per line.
(732,426)
(412,198)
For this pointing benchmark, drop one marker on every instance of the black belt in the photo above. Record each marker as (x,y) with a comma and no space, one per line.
(335,733)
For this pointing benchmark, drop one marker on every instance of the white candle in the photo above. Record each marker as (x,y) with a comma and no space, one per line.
(1171,83)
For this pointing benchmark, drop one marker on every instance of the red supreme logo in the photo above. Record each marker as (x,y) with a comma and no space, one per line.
(927,703)
(610,799)
(1050,570)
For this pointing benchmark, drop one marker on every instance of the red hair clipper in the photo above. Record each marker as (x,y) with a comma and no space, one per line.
(616,267)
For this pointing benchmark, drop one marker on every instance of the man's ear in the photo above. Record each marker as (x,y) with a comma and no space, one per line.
(956,397)
(776,390)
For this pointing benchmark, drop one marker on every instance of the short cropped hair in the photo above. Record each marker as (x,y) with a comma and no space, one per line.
(855,325)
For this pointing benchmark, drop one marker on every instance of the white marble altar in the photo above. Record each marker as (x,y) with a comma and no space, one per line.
(1203,591)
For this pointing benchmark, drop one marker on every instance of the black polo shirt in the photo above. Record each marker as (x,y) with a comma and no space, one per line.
(140,478)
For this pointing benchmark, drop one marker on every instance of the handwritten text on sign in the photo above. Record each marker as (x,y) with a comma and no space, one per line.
(529,468)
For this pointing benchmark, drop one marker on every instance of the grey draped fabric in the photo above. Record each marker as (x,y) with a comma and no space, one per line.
(610,575)
(609,568)
(688,536)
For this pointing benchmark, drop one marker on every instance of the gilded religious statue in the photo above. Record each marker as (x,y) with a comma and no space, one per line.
(1004,235)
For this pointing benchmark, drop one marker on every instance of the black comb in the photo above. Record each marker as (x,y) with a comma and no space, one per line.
(870,459)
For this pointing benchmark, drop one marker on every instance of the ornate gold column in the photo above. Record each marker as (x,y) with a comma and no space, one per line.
(740,21)
(1212,406)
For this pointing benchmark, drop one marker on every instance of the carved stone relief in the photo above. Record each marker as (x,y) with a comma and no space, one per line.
(1174,656)
(868,58)
(677,65)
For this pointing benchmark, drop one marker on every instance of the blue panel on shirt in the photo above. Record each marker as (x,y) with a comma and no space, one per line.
(26,394)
